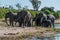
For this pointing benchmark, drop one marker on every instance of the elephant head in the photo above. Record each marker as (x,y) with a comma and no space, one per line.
(11,17)
(52,18)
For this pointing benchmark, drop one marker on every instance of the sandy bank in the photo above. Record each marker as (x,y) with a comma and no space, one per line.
(57,21)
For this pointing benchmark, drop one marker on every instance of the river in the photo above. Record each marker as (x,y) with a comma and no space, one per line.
(55,37)
(57,25)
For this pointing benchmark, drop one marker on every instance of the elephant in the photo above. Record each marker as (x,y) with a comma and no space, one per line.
(52,18)
(24,18)
(20,17)
(48,20)
(42,19)
(28,19)
(11,17)
(38,18)
(46,23)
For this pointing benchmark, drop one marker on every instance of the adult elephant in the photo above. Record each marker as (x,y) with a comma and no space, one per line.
(11,17)
(39,18)
(42,19)
(20,17)
(46,23)
(52,18)
(24,18)
(28,19)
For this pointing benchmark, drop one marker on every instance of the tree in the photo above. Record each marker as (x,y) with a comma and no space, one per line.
(36,4)
(25,8)
(18,6)
(11,7)
(48,10)
(57,14)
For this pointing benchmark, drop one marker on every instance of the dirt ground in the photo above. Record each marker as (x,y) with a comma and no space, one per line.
(57,21)
(9,31)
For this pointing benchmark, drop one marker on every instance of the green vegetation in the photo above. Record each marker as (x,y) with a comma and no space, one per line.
(3,11)
(36,4)
(33,13)
(47,10)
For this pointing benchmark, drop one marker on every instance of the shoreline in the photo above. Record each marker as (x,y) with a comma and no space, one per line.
(28,32)
(57,21)
(11,33)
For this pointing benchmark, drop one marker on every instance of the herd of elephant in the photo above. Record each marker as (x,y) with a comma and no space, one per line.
(25,19)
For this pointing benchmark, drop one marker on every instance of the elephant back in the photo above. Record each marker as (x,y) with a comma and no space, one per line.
(8,15)
(22,14)
(50,16)
(14,13)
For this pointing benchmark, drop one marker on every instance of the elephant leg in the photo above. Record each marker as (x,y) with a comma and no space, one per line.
(20,24)
(29,24)
(42,24)
(15,23)
(50,25)
(12,23)
(36,23)
(53,24)
(23,24)
(6,21)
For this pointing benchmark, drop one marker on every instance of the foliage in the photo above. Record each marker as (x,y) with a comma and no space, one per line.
(48,10)
(36,4)
(18,6)
(3,11)
(11,7)
(57,14)
(33,13)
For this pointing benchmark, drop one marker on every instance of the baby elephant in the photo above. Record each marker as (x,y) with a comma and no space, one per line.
(46,23)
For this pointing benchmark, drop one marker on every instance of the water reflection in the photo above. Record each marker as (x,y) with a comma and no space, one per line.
(56,37)
(37,38)
(57,25)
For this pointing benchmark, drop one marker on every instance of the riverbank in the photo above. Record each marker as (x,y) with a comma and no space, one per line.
(57,21)
(12,33)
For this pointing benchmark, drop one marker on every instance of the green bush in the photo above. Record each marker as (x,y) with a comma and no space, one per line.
(33,13)
(3,11)
(57,14)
